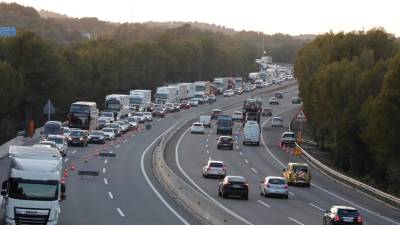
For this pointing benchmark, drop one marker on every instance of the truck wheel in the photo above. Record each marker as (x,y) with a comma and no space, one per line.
(258,144)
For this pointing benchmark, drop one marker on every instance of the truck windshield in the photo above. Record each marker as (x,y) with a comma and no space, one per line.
(33,190)
(52,129)
(80,109)
(200,88)
(106,114)
(161,96)
(113,105)
(135,100)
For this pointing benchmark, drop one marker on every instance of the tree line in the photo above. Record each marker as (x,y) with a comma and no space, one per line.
(350,83)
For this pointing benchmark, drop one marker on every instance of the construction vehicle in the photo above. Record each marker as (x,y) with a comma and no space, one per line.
(252,109)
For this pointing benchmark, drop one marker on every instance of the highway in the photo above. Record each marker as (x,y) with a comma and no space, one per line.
(186,154)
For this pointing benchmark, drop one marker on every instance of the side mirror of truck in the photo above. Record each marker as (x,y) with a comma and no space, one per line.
(63,188)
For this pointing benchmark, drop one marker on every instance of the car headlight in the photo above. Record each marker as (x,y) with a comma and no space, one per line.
(81,139)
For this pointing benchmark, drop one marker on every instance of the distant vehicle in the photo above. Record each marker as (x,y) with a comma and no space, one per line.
(224,124)
(270,186)
(177,107)
(296,100)
(237,116)
(266,112)
(205,120)
(139,99)
(66,131)
(226,93)
(97,136)
(83,115)
(122,125)
(193,102)
(225,142)
(117,129)
(214,169)
(200,98)
(169,107)
(197,128)
(252,110)
(109,133)
(60,141)
(341,215)
(50,144)
(297,173)
(102,122)
(277,121)
(109,116)
(273,101)
(234,186)
(158,112)
(148,116)
(279,94)
(215,113)
(78,137)
(140,117)
(52,127)
(118,104)
(131,122)
(212,97)
(259,83)
(252,133)
(288,139)
(185,104)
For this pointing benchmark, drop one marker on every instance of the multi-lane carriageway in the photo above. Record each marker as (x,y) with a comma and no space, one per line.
(187,153)
(126,192)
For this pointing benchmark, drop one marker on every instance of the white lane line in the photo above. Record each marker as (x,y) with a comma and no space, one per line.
(104,170)
(209,158)
(263,203)
(237,147)
(319,208)
(65,160)
(241,153)
(111,151)
(158,120)
(208,135)
(105,161)
(206,146)
(291,193)
(105,181)
(207,140)
(254,170)
(125,140)
(110,195)
(208,152)
(117,146)
(197,186)
(317,186)
(120,212)
(290,218)
(245,160)
(151,184)
(73,152)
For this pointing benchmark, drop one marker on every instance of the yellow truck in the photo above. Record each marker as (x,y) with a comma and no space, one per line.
(297,173)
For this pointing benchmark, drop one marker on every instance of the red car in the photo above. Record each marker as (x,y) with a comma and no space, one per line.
(185,105)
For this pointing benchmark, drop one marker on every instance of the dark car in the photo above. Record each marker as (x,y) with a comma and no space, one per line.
(78,137)
(225,142)
(158,112)
(97,136)
(52,128)
(185,105)
(234,186)
(169,107)
(279,94)
(215,113)
(339,215)
(296,100)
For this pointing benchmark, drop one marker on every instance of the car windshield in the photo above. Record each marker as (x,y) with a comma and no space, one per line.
(114,125)
(33,190)
(300,169)
(347,212)
(147,113)
(226,139)
(198,125)
(138,114)
(52,129)
(66,130)
(77,133)
(288,135)
(131,119)
(96,133)
(57,140)
(276,181)
(236,179)
(51,144)
(102,121)
(108,130)
(215,164)
(106,114)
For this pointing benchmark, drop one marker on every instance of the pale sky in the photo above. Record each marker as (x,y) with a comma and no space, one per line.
(268,16)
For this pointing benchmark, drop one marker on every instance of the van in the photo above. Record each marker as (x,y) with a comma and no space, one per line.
(297,173)
(205,120)
(251,134)
(52,128)
(224,124)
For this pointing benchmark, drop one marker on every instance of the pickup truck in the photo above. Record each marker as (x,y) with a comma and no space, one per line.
(288,139)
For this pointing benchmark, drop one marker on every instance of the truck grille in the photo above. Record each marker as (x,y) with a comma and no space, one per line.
(31,219)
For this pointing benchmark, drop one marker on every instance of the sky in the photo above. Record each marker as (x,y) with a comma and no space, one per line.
(268,16)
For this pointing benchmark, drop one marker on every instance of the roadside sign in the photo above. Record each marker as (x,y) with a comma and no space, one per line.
(49,109)
(300,116)
(8,31)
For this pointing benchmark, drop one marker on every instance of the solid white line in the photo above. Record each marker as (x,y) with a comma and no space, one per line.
(241,153)
(206,146)
(151,184)
(73,152)
(104,170)
(254,170)
(245,160)
(105,181)
(291,193)
(66,160)
(319,208)
(110,195)
(290,218)
(117,146)
(125,140)
(264,204)
(105,161)
(197,186)
(120,212)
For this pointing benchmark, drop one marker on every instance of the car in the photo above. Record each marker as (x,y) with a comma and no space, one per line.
(132,122)
(273,101)
(139,117)
(297,173)
(197,128)
(60,141)
(205,120)
(148,116)
(288,139)
(237,116)
(50,144)
(278,94)
(158,112)
(117,129)
(185,104)
(102,122)
(193,103)
(277,121)
(234,186)
(296,100)
(238,90)
(266,112)
(271,185)
(130,125)
(109,116)
(66,131)
(177,107)
(78,137)
(52,127)
(97,136)
(225,142)
(251,133)
(169,107)
(215,113)
(109,133)
(342,215)
(214,169)
(227,93)
(212,97)
(124,127)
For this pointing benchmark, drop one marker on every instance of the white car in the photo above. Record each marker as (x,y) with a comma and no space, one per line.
(274,186)
(205,120)
(148,116)
(273,101)
(109,133)
(124,127)
(66,131)
(214,169)
(277,121)
(237,116)
(60,141)
(139,117)
(197,128)
(193,102)
(132,122)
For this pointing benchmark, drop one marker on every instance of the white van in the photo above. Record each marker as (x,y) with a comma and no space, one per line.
(205,120)
(251,133)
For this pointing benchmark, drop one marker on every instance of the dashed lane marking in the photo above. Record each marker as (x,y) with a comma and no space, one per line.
(241,153)
(263,203)
(65,160)
(125,140)
(319,208)
(105,181)
(117,146)
(291,193)
(120,212)
(290,218)
(254,170)
(245,160)
(105,161)
(110,195)
(104,170)
(73,152)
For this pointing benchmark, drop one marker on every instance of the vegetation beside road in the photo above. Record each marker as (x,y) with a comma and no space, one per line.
(350,83)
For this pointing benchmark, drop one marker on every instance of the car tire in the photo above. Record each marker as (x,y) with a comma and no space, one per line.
(308,185)
(219,192)
(218,147)
(231,148)
(286,196)
(258,143)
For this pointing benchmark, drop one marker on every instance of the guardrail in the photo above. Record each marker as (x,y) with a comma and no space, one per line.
(17,141)
(355,184)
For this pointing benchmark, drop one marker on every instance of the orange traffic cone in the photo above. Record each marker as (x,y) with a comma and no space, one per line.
(73,166)
(65,172)
(86,159)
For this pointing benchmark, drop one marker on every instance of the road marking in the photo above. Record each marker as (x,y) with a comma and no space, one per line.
(208,152)
(209,135)
(237,147)
(241,153)
(110,195)
(125,140)
(111,151)
(319,208)
(197,186)
(104,170)
(245,160)
(291,193)
(151,184)
(158,120)
(207,140)
(120,212)
(290,218)
(65,160)
(209,158)
(105,181)
(254,170)
(206,146)
(105,161)
(263,203)
(73,152)
(117,146)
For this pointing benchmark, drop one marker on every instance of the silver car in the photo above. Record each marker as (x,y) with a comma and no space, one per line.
(60,142)
(277,121)
(214,169)
(108,133)
(274,186)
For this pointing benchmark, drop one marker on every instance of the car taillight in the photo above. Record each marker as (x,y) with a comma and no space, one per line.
(337,218)
(286,186)
(208,168)
(359,219)
(268,185)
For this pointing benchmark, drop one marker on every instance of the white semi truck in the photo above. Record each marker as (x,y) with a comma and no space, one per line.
(201,91)
(139,100)
(33,189)
(189,89)
(221,84)
(117,104)
(165,95)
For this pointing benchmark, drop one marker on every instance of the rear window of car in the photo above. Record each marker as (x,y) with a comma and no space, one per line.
(237,113)
(276,181)
(236,179)
(300,169)
(226,139)
(77,133)
(347,212)
(96,133)
(108,130)
(198,125)
(288,135)
(218,165)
